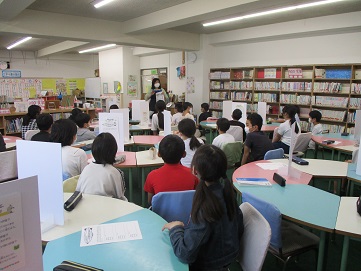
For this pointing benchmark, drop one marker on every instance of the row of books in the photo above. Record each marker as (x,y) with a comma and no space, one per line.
(331,87)
(355,103)
(356,88)
(247,85)
(333,115)
(332,128)
(330,101)
(296,86)
(265,97)
(217,114)
(14,125)
(219,75)
(295,99)
(351,117)
(267,85)
(219,95)
(216,105)
(242,96)
(244,74)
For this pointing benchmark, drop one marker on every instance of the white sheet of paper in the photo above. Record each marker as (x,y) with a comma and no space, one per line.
(110,233)
(125,112)
(167,122)
(6,139)
(262,111)
(113,123)
(271,166)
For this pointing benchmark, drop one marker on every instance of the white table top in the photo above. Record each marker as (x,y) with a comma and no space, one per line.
(319,167)
(91,210)
(144,160)
(348,220)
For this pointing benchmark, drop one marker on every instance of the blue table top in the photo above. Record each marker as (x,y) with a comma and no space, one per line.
(306,204)
(351,172)
(153,252)
(338,135)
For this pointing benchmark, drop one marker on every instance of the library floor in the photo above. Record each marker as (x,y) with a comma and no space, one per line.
(306,261)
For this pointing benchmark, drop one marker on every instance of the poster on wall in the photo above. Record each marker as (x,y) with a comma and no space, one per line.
(190,85)
(60,86)
(117,87)
(132,78)
(132,89)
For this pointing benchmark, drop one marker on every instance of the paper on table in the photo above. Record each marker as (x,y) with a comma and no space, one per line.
(110,233)
(336,142)
(271,166)
(6,139)
(253,181)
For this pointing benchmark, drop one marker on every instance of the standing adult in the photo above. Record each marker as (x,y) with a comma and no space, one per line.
(155,94)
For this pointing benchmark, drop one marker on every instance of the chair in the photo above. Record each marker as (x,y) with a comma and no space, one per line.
(288,239)
(274,154)
(29,134)
(233,153)
(69,185)
(237,132)
(255,239)
(173,206)
(8,166)
(302,142)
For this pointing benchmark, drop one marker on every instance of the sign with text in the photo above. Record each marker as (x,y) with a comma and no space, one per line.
(11,74)
(113,123)
(125,114)
(295,73)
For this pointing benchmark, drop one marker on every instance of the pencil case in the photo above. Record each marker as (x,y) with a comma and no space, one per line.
(73,266)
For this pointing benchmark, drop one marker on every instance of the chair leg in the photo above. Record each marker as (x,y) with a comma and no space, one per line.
(285,263)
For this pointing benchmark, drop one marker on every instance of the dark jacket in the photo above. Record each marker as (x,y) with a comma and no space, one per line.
(209,246)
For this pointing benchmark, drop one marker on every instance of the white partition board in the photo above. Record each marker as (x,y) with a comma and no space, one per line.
(113,123)
(357,126)
(229,107)
(167,122)
(262,111)
(44,160)
(92,87)
(125,113)
(140,111)
(28,190)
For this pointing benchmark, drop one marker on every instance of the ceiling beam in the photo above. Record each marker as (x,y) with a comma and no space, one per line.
(11,8)
(53,25)
(61,47)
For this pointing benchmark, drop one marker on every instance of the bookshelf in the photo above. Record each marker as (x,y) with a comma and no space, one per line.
(335,90)
(10,124)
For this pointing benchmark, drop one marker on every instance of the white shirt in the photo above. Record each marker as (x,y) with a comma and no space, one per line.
(97,179)
(223,139)
(186,161)
(187,116)
(176,118)
(155,123)
(316,130)
(74,160)
(285,131)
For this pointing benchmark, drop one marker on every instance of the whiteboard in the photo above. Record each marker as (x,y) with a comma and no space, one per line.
(92,87)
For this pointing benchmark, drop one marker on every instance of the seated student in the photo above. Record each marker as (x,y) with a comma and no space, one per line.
(177,117)
(212,237)
(29,120)
(316,127)
(236,116)
(2,143)
(203,116)
(257,143)
(113,106)
(282,138)
(44,122)
(172,176)
(101,177)
(76,111)
(281,119)
(83,133)
(73,159)
(187,129)
(187,111)
(223,138)
(158,118)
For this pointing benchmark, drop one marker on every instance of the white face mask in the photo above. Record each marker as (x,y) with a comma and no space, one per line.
(246,129)
(309,120)
(190,111)
(157,85)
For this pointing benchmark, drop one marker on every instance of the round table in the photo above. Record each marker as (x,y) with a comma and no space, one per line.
(10,141)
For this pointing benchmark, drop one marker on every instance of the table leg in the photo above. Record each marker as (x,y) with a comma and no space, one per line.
(130,185)
(143,181)
(321,251)
(346,241)
(333,154)
(351,188)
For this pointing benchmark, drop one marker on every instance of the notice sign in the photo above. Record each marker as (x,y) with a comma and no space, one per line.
(295,73)
(12,246)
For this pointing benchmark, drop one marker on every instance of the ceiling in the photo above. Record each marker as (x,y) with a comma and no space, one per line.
(58,26)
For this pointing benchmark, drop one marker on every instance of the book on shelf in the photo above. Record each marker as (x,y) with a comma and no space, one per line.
(330,101)
(295,73)
(270,73)
(338,74)
(253,181)
(247,74)
(237,75)
(356,88)
(320,73)
(267,85)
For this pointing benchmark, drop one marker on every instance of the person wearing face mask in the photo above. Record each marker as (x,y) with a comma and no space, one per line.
(316,127)
(257,143)
(187,111)
(155,94)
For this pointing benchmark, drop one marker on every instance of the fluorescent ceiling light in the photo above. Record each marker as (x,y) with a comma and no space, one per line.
(279,10)
(18,42)
(102,3)
(98,48)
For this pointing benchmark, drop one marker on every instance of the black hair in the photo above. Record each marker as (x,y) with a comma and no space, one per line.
(236,114)
(186,105)
(113,106)
(33,112)
(291,111)
(44,121)
(188,128)
(104,149)
(160,107)
(179,107)
(205,106)
(210,163)
(81,119)
(63,131)
(74,113)
(154,81)
(315,114)
(223,124)
(255,119)
(171,149)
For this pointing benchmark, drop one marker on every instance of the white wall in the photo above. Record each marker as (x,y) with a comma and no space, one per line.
(57,66)
(131,67)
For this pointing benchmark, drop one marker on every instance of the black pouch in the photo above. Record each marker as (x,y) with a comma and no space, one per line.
(73,266)
(358,204)
(70,204)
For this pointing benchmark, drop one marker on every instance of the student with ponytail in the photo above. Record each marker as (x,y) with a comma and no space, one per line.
(158,118)
(282,138)
(211,239)
(187,129)
(29,120)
